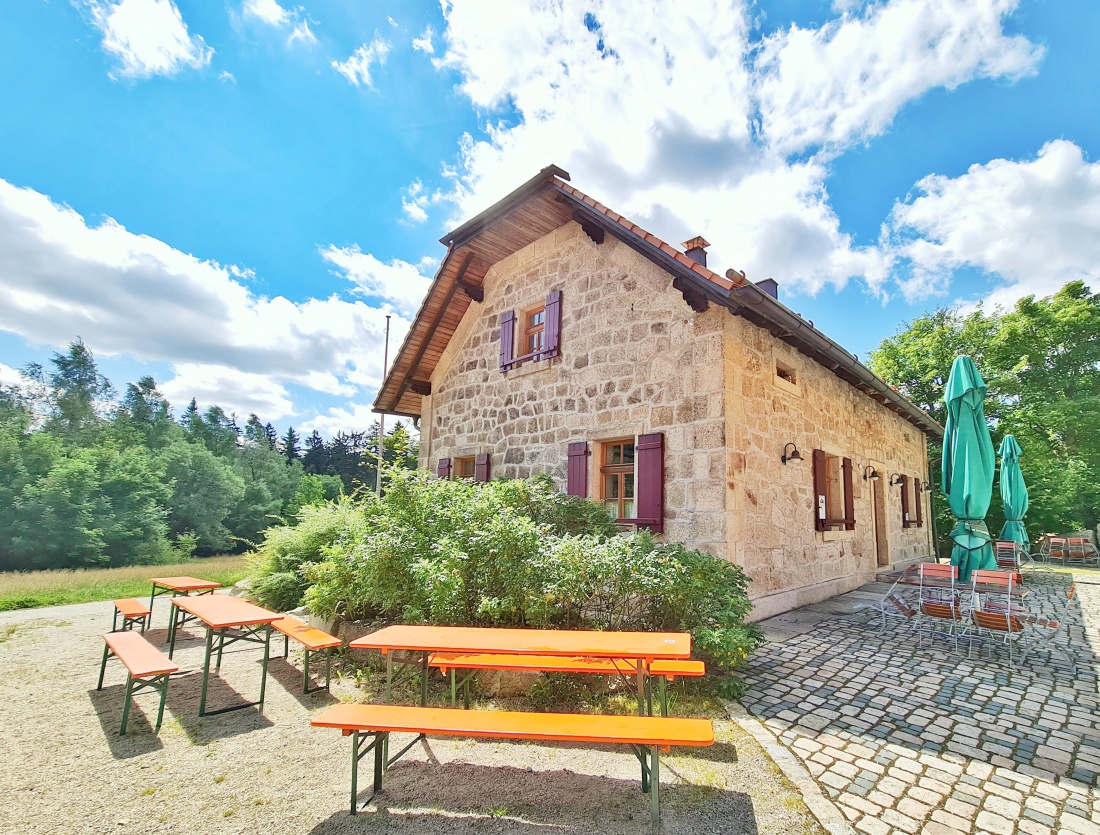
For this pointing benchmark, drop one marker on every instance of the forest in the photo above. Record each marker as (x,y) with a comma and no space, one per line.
(92,478)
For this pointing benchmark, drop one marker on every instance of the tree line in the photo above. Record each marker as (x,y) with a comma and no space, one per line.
(91,478)
(1041,361)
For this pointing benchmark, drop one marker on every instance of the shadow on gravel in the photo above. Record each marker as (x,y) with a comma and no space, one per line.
(289,677)
(420,797)
(139,738)
(183,701)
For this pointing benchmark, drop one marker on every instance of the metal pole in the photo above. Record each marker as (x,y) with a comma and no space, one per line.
(382,415)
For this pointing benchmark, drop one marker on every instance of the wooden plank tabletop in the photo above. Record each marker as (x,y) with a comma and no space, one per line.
(560,642)
(220,611)
(185,583)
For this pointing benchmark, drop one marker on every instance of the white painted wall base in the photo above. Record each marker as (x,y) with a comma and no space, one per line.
(776,604)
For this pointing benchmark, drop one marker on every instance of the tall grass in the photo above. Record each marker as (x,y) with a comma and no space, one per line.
(30,589)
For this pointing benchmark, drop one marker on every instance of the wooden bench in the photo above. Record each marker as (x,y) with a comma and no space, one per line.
(313,640)
(663,671)
(133,612)
(370,726)
(147,668)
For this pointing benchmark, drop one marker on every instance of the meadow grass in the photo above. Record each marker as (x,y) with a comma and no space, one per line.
(30,589)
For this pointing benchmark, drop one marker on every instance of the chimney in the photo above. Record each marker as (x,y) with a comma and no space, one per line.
(695,249)
(769,286)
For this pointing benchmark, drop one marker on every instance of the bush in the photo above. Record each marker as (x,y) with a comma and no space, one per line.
(277,568)
(514,553)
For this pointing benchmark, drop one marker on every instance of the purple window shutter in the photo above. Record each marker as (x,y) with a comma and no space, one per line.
(553,325)
(444,467)
(905,501)
(577,474)
(849,495)
(650,487)
(507,338)
(481,467)
(821,476)
(918,497)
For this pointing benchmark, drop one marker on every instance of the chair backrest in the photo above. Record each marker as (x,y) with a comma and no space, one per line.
(1077,547)
(989,577)
(940,570)
(1005,553)
(1056,546)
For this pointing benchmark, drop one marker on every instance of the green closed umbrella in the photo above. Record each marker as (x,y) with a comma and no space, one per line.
(968,465)
(1013,492)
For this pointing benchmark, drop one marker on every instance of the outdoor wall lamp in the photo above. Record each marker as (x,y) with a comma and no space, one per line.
(870,473)
(794,455)
(926,485)
(895,479)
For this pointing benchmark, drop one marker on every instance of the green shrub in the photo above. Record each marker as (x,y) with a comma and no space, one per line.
(514,553)
(277,568)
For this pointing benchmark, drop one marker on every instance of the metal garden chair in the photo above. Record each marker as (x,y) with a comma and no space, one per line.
(995,616)
(939,604)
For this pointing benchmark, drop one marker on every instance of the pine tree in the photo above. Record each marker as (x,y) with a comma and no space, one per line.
(291,449)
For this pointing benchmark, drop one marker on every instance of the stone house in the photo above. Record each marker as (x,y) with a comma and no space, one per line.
(560,338)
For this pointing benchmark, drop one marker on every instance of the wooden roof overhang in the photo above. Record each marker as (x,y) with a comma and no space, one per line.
(543,204)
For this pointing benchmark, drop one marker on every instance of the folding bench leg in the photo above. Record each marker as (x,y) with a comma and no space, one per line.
(126,705)
(163,697)
(655,785)
(103,666)
(378,743)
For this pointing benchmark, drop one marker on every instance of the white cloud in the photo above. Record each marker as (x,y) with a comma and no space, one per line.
(130,294)
(683,119)
(268,11)
(356,417)
(424,42)
(9,376)
(234,390)
(302,34)
(225,75)
(416,201)
(1035,223)
(357,68)
(846,81)
(148,37)
(398,282)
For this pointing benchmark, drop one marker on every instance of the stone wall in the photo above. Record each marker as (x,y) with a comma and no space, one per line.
(634,360)
(770,505)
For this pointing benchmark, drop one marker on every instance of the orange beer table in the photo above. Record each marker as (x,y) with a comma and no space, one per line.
(228,620)
(635,650)
(179,585)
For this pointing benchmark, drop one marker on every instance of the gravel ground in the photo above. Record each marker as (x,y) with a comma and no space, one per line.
(66,769)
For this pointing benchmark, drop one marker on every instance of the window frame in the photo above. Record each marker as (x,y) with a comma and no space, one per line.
(838,493)
(620,470)
(528,330)
(460,464)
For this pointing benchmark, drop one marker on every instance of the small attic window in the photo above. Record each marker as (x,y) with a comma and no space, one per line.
(786,374)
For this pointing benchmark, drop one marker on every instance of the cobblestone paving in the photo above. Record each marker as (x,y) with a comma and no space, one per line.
(907,739)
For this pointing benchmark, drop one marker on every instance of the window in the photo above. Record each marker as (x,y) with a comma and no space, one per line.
(534,335)
(834,502)
(786,374)
(464,467)
(617,477)
(534,331)
(471,466)
(630,477)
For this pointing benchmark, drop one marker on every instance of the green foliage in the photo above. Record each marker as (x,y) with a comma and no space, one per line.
(278,565)
(1041,361)
(515,553)
(87,480)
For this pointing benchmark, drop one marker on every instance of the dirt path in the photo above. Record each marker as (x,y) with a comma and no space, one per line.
(66,769)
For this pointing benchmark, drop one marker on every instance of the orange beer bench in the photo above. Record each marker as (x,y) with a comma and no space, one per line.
(369,726)
(663,670)
(146,668)
(133,612)
(313,640)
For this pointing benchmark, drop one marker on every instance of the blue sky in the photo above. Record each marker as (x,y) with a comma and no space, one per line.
(232,195)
